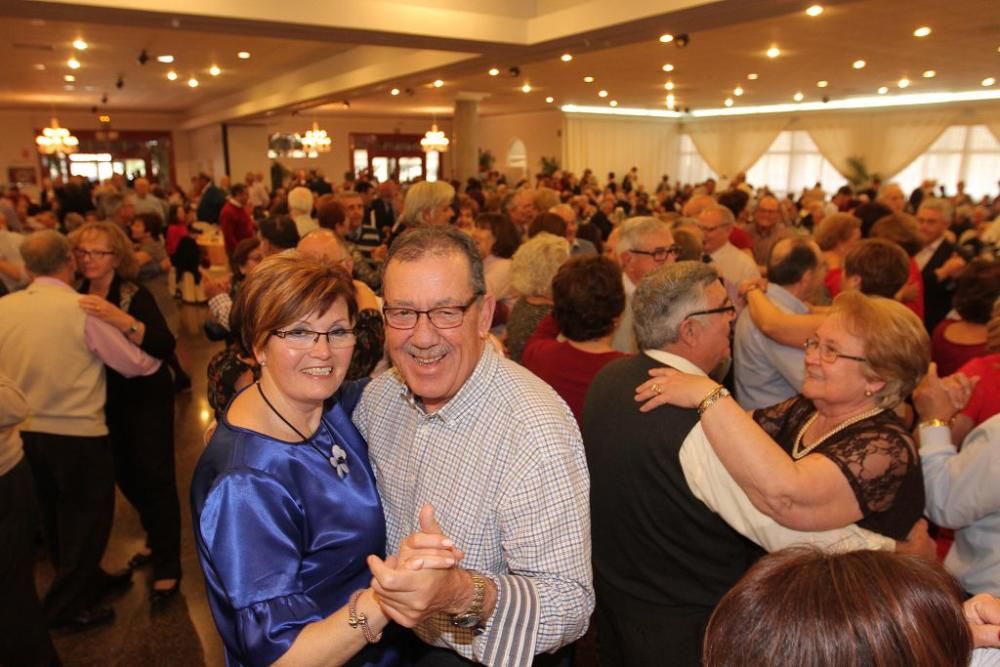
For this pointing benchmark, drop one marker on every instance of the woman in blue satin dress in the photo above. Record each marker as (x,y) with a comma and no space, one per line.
(285,504)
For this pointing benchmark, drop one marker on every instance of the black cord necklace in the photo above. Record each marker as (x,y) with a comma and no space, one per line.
(337,457)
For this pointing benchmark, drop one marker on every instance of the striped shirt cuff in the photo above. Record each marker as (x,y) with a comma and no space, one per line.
(513,628)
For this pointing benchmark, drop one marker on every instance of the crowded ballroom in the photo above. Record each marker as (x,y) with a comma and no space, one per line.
(568,333)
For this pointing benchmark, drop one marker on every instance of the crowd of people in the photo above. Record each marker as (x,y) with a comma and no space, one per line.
(467,422)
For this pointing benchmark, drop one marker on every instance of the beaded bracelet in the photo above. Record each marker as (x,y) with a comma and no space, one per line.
(360,620)
(710,400)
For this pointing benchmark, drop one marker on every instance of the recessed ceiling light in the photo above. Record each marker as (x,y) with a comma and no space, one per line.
(883,90)
(728,102)
(588,79)
(73,63)
(613,103)
(858,64)
(903,83)
(193,82)
(922,31)
(80,45)
(602,93)
(815,10)
(669,85)
(243,55)
(666,38)
(822,84)
(773,52)
(438,83)
(172,75)
(752,76)
(668,68)
(930,74)
(39,66)
(394,92)
(214,70)
(69,78)
(493,71)
(550,100)
(798,97)
(526,88)
(988,81)
(566,57)
(737,91)
(166,59)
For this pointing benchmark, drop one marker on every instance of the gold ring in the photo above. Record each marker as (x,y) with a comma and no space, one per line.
(656,389)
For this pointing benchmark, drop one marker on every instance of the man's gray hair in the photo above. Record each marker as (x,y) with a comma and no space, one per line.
(936,204)
(438,241)
(425,196)
(300,199)
(728,219)
(665,297)
(633,230)
(45,252)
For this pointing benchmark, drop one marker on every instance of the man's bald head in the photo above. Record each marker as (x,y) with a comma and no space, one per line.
(325,245)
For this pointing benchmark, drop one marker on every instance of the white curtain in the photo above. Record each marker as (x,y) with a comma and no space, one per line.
(616,143)
(887,141)
(990,117)
(730,146)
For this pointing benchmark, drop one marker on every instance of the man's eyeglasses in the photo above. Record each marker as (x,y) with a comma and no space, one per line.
(726,308)
(303,339)
(442,317)
(92,254)
(826,353)
(659,254)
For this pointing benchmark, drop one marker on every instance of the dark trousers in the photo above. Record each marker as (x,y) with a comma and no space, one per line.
(629,639)
(24,638)
(75,486)
(430,656)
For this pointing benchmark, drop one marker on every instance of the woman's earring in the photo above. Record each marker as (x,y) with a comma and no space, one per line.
(868,393)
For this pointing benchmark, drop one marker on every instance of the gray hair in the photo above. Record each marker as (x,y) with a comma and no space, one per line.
(300,199)
(936,204)
(425,196)
(664,298)
(45,252)
(536,263)
(728,219)
(438,241)
(635,229)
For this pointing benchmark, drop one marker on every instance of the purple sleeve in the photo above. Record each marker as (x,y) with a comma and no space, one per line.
(116,351)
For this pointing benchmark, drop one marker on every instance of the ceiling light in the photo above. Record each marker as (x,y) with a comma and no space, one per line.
(822,84)
(80,45)
(858,64)
(798,97)
(55,139)
(667,38)
(69,78)
(434,140)
(669,85)
(438,83)
(566,57)
(193,82)
(613,103)
(988,81)
(752,76)
(815,10)
(166,59)
(316,140)
(930,74)
(773,52)
(39,66)
(922,31)
(602,93)
(737,91)
(73,63)
(526,88)
(214,70)
(728,102)
(394,92)
(588,79)
(493,71)
(668,68)
(172,75)
(104,118)
(883,90)
(243,55)
(903,83)
(550,100)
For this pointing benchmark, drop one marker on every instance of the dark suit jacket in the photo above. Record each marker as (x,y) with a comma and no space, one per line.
(937,293)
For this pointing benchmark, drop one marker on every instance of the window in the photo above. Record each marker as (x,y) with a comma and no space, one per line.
(967,153)
(692,168)
(793,163)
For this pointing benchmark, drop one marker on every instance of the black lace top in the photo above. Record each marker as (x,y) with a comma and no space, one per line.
(876,455)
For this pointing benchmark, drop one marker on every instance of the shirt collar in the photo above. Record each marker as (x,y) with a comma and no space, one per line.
(786,298)
(674,361)
(51,282)
(469,395)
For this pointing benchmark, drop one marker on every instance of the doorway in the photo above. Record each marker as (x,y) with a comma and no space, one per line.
(393,156)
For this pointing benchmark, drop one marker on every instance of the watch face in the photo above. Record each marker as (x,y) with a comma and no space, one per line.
(466,620)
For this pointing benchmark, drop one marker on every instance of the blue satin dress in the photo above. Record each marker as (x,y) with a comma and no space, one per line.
(283,535)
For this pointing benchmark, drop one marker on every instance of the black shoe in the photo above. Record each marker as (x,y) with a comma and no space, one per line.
(140,560)
(116,583)
(159,597)
(88,618)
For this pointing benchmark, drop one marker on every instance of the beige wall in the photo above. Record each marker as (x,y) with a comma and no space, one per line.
(541,132)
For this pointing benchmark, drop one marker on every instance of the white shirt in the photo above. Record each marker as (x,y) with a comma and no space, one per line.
(623,339)
(712,484)
(733,264)
(925,254)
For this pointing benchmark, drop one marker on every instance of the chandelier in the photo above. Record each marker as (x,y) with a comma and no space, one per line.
(316,140)
(55,139)
(434,140)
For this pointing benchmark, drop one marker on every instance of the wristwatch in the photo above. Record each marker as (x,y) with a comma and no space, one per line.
(473,616)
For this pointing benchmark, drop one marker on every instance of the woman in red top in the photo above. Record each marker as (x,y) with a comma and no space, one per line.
(902,229)
(573,343)
(957,341)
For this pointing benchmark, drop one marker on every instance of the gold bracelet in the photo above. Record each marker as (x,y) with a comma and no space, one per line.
(360,620)
(932,422)
(710,400)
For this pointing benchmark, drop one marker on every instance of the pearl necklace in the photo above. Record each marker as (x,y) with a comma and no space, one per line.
(798,452)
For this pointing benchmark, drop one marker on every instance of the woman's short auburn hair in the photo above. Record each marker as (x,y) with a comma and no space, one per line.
(896,345)
(284,289)
(588,296)
(835,229)
(802,606)
(118,243)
